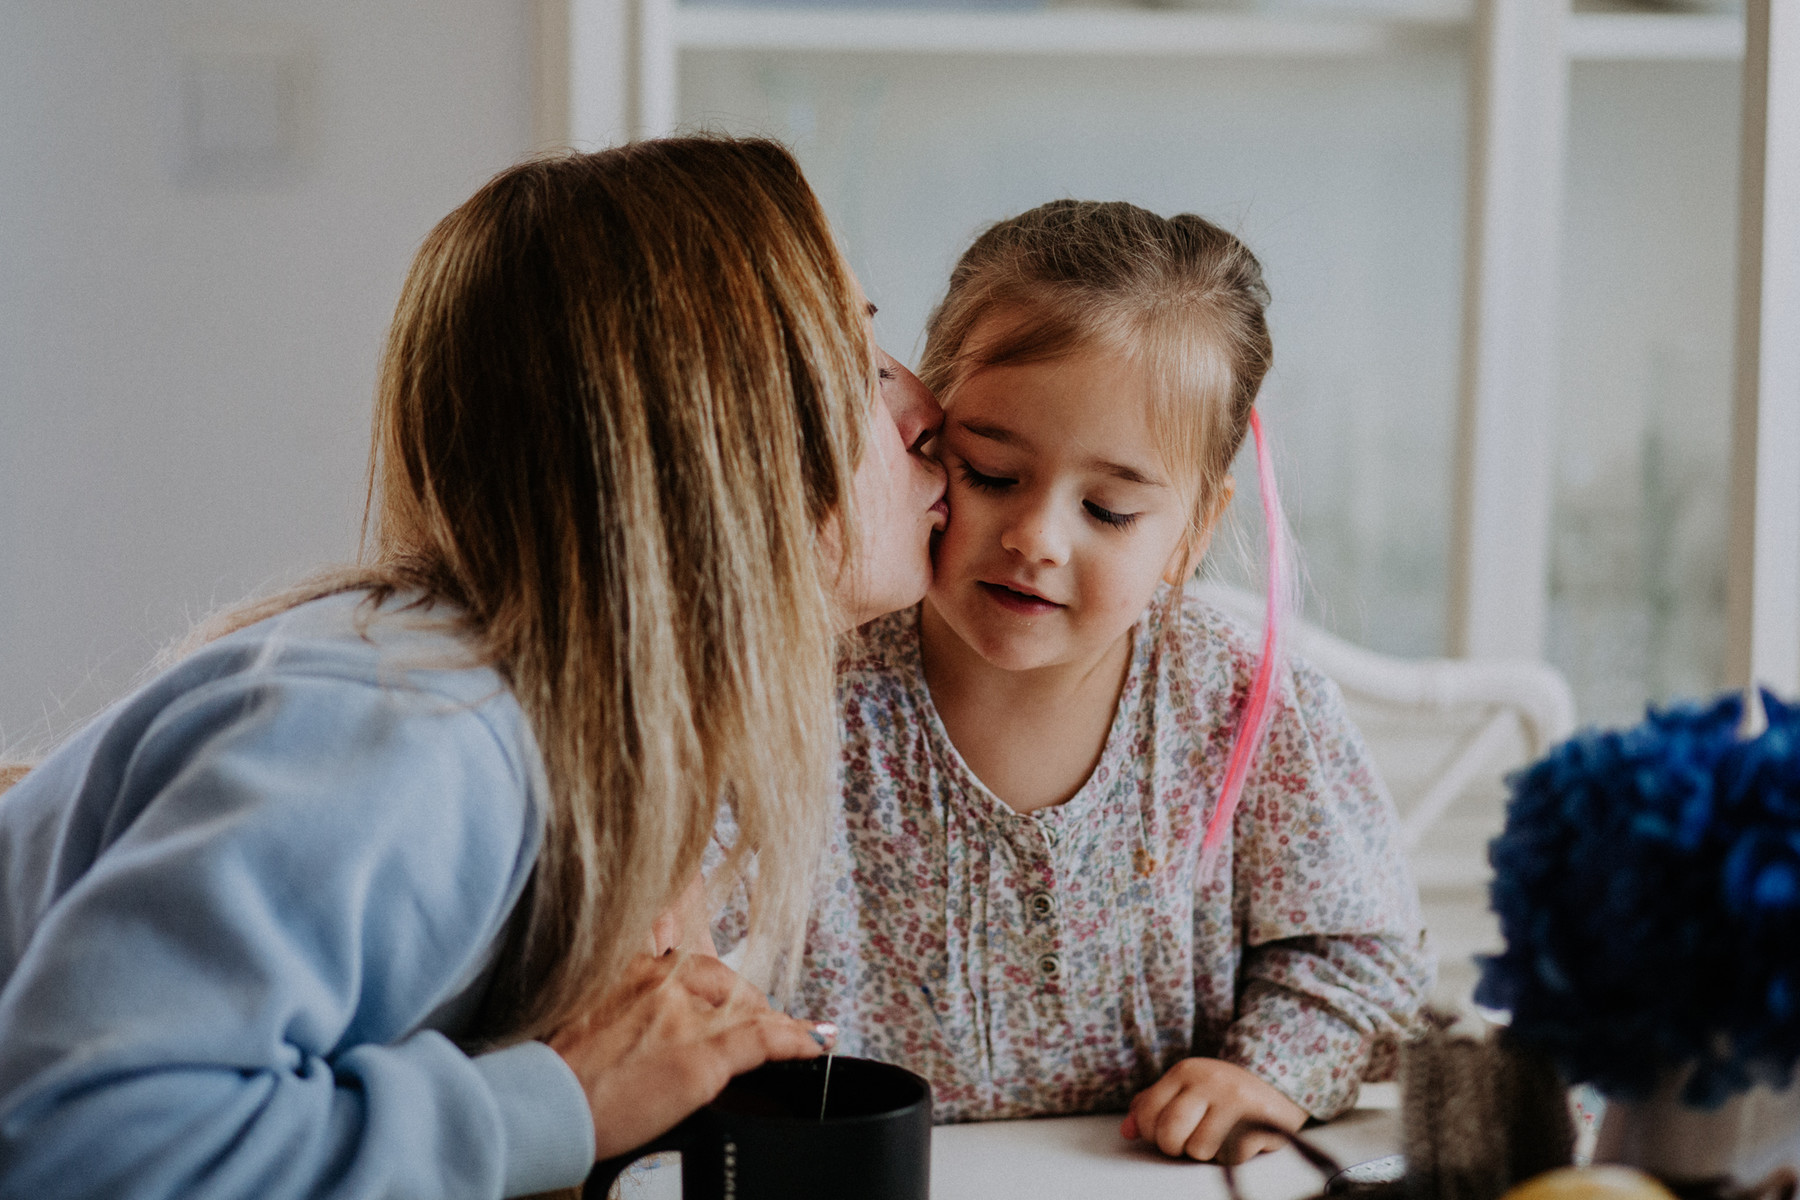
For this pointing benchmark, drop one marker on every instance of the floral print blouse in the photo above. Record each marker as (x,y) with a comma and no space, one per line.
(1061,961)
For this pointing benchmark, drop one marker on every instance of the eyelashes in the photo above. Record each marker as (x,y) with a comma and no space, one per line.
(983,483)
(1108,517)
(883,374)
(999,483)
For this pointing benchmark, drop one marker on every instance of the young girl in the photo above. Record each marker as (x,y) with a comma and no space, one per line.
(1018,905)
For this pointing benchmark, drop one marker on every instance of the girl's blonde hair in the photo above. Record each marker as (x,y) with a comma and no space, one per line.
(1179,295)
(1184,300)
(622,394)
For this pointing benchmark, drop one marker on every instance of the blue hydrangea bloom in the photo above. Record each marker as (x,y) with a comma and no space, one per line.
(1648,887)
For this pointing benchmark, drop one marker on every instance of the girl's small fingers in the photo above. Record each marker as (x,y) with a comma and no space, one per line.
(1246,1146)
(1210,1134)
(1281,1111)
(1128,1128)
(1176,1123)
(1147,1106)
(1147,1103)
(1142,1116)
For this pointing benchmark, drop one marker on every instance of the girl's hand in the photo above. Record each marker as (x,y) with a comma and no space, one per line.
(1193,1109)
(668,1040)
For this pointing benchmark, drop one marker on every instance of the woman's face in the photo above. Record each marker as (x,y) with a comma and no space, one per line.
(899,498)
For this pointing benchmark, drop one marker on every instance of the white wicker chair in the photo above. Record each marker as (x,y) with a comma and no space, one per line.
(1444,733)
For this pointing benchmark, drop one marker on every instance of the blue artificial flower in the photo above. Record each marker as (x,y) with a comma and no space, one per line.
(1648,886)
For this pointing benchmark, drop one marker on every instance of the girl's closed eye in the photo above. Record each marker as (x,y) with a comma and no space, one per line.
(980,481)
(1106,516)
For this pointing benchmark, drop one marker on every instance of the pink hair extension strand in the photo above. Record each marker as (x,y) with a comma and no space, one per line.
(1255,720)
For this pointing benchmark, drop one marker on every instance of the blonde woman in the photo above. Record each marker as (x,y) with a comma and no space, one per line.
(354,899)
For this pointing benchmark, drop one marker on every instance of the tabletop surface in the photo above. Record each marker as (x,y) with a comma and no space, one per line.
(1081,1158)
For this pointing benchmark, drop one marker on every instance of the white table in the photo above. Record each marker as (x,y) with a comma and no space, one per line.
(1083,1158)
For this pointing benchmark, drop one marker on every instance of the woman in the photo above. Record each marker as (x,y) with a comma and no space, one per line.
(353,900)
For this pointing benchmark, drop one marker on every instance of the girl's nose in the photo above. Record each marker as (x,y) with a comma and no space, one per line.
(1035,535)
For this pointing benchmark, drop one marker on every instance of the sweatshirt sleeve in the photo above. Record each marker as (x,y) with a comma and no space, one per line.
(231,1001)
(1335,970)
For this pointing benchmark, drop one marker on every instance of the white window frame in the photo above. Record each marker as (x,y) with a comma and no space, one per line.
(621,66)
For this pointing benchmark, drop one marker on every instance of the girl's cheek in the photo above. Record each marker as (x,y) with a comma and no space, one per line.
(969,508)
(996,519)
(961,531)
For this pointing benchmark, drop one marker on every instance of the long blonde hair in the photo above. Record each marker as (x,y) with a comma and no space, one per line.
(622,394)
(1178,294)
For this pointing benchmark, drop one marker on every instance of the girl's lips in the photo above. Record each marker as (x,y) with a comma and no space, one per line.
(941,510)
(1023,603)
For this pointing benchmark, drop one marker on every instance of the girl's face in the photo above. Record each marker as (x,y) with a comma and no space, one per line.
(899,498)
(1064,515)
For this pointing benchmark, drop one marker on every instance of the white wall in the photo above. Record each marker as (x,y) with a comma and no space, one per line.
(187,346)
(1345,176)
(1638,548)
(186,355)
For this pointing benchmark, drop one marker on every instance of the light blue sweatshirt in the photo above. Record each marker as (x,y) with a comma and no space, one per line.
(244,916)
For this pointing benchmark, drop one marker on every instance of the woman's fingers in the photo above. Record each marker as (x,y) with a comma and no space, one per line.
(696,920)
(754,1033)
(668,1039)
(713,981)
(771,1037)
(665,934)
(685,925)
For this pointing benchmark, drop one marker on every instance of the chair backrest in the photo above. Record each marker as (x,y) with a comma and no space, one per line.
(1444,733)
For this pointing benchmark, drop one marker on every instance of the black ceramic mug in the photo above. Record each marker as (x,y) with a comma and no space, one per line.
(763,1138)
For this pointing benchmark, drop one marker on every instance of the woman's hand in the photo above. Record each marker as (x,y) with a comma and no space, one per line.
(685,925)
(667,1041)
(1193,1109)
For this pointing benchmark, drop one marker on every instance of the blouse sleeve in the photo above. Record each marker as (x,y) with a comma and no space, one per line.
(1335,970)
(230,1000)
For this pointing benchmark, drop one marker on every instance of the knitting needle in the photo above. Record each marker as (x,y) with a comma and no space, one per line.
(825,1090)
